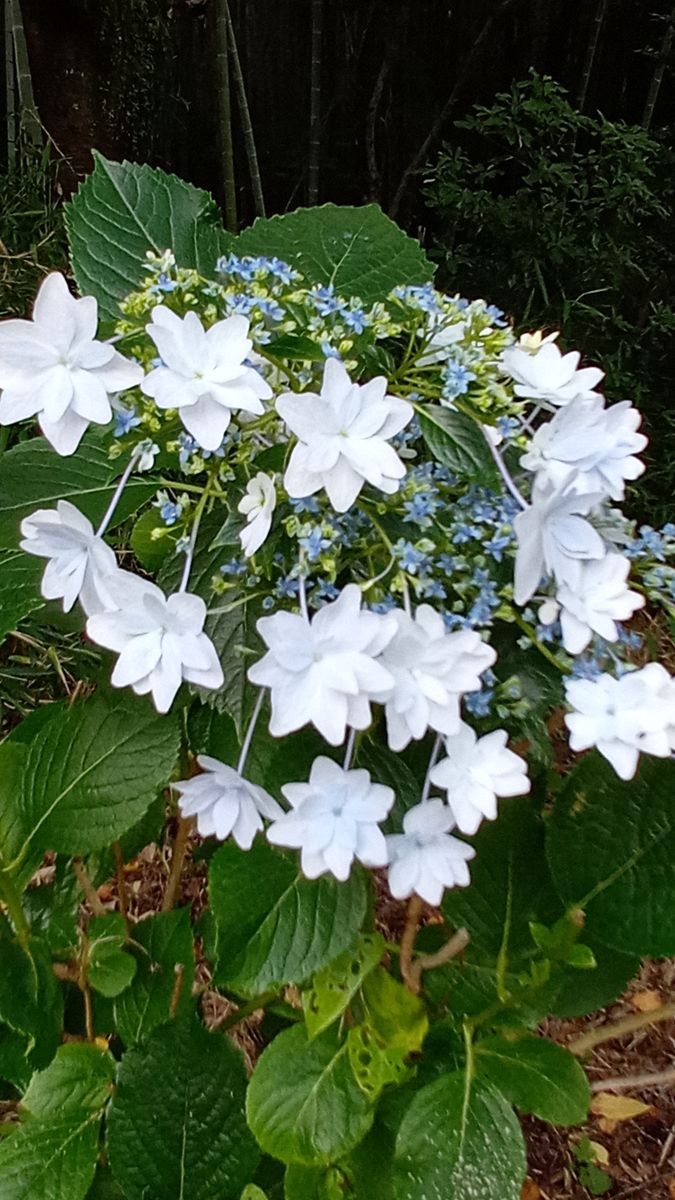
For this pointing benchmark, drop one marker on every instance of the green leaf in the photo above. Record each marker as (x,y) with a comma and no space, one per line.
(109,969)
(212,732)
(104,1186)
(459,1140)
(93,773)
(538,1076)
(121,211)
(14,1065)
(579,993)
(315,1183)
(152,551)
(334,986)
(611,846)
(456,441)
(274,926)
(19,588)
(13,833)
(162,945)
(176,1125)
(229,631)
(358,250)
(395,1024)
(32,476)
(303,1102)
(251,1192)
(293,347)
(52,1153)
(18,987)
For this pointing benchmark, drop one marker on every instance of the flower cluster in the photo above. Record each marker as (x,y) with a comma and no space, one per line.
(374,573)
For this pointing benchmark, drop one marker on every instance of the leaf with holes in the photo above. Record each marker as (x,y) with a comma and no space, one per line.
(91,774)
(123,210)
(176,1125)
(274,926)
(336,984)
(303,1102)
(357,250)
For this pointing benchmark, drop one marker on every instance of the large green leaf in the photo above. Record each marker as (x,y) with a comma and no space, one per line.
(457,441)
(52,1154)
(91,774)
(611,846)
(121,211)
(538,1076)
(335,985)
(19,588)
(459,1140)
(274,926)
(13,757)
(163,947)
(176,1126)
(32,476)
(303,1102)
(358,250)
(31,1002)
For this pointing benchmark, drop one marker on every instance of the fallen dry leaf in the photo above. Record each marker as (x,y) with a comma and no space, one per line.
(530,1191)
(611,1110)
(671,1187)
(647,1001)
(600,1152)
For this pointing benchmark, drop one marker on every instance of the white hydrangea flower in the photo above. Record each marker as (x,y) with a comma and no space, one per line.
(553,536)
(442,332)
(342,437)
(160,643)
(258,505)
(424,858)
(601,598)
(80,565)
(203,373)
(147,451)
(432,669)
(532,342)
(623,717)
(324,671)
(594,445)
(52,367)
(477,771)
(335,818)
(548,375)
(225,803)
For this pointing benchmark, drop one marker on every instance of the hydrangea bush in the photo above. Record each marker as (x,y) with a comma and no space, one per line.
(391,582)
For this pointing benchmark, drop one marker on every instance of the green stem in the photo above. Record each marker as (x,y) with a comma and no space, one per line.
(526,628)
(12,901)
(247,1009)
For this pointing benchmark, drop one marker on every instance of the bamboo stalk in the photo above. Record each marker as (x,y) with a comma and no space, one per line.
(314,159)
(245,118)
(30,121)
(591,50)
(659,71)
(10,85)
(224,114)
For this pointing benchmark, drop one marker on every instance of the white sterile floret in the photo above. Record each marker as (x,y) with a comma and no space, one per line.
(601,598)
(441,334)
(203,373)
(225,803)
(160,643)
(80,563)
(258,506)
(324,671)
(593,444)
(52,368)
(432,669)
(623,717)
(424,858)
(553,536)
(335,819)
(342,437)
(477,771)
(548,375)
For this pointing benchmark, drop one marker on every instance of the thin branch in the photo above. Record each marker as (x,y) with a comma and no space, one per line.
(224,115)
(245,118)
(659,71)
(122,896)
(178,853)
(314,158)
(426,962)
(88,888)
(371,124)
(591,50)
(607,1033)
(412,924)
(177,989)
(626,1083)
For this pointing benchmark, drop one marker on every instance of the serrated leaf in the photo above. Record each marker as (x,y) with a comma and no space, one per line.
(459,1140)
(335,984)
(19,588)
(358,250)
(32,476)
(164,942)
(121,211)
(176,1125)
(274,926)
(52,1153)
(91,774)
(13,757)
(611,846)
(303,1103)
(538,1076)
(109,968)
(457,442)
